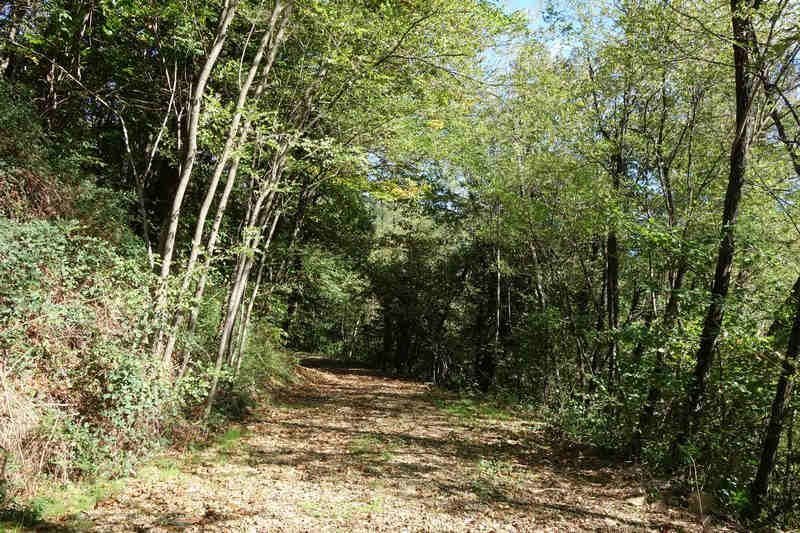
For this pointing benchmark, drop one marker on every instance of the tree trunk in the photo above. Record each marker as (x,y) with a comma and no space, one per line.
(236,358)
(239,282)
(783,393)
(656,380)
(222,162)
(223,203)
(388,338)
(297,225)
(14,18)
(650,315)
(541,299)
(224,345)
(188,164)
(692,408)
(401,356)
(258,218)
(498,305)
(601,324)
(612,247)
(612,255)
(294,301)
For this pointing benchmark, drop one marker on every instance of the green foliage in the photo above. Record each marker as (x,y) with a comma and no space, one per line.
(73,323)
(26,248)
(544,232)
(471,408)
(20,137)
(265,364)
(37,169)
(15,517)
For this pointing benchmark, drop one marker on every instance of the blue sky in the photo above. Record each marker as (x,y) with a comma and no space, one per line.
(531,6)
(497,59)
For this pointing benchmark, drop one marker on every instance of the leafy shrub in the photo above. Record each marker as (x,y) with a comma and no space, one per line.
(74,313)
(34,170)
(19,135)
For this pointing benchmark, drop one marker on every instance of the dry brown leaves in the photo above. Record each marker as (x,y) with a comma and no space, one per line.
(28,195)
(350,451)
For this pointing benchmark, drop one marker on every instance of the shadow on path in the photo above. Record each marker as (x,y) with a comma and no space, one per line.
(352,368)
(351,449)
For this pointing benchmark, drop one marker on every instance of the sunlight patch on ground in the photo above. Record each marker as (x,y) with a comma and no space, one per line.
(348,451)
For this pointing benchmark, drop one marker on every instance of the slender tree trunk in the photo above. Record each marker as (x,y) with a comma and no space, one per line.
(212,239)
(388,337)
(302,120)
(498,305)
(659,373)
(235,356)
(78,43)
(188,164)
(403,350)
(294,301)
(780,403)
(237,335)
(650,315)
(353,338)
(141,181)
(224,345)
(253,297)
(618,169)
(612,247)
(265,192)
(791,460)
(239,282)
(541,299)
(612,255)
(779,323)
(602,316)
(222,162)
(223,203)
(693,405)
(299,217)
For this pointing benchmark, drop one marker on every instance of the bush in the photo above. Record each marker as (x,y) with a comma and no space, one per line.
(74,314)
(34,169)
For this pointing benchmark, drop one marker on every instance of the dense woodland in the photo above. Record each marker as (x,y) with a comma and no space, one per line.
(591,214)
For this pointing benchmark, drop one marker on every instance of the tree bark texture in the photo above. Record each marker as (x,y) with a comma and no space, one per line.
(780,403)
(712,325)
(188,163)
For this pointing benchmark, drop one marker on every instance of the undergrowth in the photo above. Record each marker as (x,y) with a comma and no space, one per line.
(82,400)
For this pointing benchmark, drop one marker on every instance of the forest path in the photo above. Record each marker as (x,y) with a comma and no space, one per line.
(347,450)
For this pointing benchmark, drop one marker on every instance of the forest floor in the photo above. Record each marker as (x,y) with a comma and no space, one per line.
(348,450)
